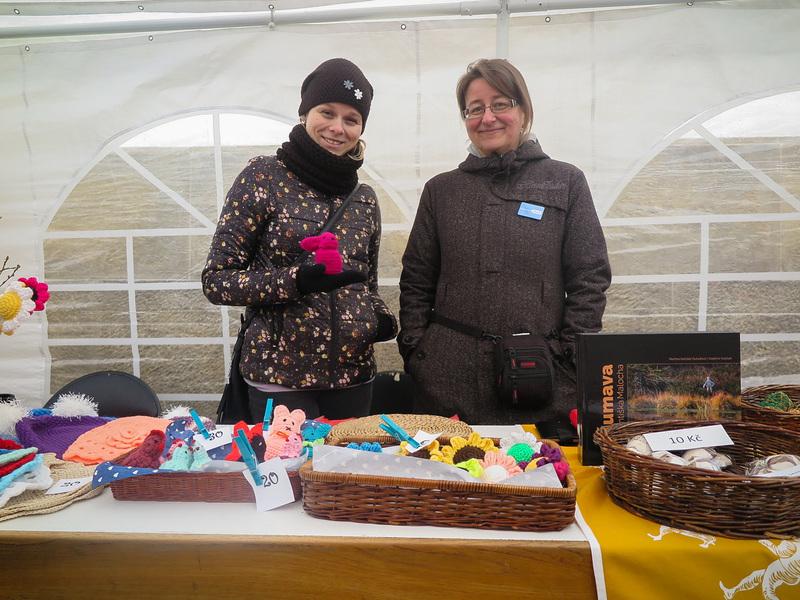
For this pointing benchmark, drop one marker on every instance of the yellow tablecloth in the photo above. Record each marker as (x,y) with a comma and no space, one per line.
(644,560)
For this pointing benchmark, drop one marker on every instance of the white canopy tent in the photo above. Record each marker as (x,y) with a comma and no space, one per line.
(119,142)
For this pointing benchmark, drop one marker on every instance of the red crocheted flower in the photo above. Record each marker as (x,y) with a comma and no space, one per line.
(40,293)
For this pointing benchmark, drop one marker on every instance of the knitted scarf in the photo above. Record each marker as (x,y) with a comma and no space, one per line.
(316,167)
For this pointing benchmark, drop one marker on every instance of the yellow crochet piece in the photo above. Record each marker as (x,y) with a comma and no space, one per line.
(459,445)
(405,450)
(10,305)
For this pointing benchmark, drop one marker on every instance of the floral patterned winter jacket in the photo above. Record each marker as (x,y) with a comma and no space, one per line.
(318,340)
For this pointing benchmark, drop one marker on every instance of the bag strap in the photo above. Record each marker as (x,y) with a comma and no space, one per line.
(463,328)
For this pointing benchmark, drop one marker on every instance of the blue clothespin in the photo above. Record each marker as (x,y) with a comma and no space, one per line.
(397,432)
(197,421)
(248,455)
(267,415)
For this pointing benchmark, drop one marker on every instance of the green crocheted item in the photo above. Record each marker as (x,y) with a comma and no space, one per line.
(521,452)
(777,400)
(472,466)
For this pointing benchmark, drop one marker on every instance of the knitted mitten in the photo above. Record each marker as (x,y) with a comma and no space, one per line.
(312,278)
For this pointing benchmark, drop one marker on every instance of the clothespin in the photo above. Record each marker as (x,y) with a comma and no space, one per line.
(397,432)
(267,415)
(248,455)
(197,421)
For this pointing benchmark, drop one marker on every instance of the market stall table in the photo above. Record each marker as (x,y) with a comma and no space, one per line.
(103,548)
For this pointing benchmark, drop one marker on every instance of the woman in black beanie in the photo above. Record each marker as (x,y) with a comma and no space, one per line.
(309,335)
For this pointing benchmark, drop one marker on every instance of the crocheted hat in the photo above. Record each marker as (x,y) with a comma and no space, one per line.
(336,80)
(113,439)
(50,433)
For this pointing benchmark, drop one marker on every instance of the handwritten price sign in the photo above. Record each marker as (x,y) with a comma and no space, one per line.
(707,436)
(217,438)
(67,485)
(274,488)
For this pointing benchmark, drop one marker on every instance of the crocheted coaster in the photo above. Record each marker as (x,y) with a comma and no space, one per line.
(52,433)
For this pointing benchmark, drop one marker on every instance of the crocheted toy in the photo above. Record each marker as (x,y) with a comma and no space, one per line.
(326,251)
(200,458)
(181,459)
(365,446)
(252,434)
(283,436)
(147,455)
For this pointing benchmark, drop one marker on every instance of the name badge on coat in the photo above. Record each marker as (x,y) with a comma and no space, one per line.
(530,211)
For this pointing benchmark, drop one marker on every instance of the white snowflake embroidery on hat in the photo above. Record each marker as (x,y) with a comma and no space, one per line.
(358,93)
(348,84)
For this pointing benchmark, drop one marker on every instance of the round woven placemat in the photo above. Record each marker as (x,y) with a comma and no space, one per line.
(366,429)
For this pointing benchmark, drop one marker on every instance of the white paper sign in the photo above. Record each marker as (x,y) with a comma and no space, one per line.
(707,436)
(67,485)
(423,438)
(217,438)
(274,489)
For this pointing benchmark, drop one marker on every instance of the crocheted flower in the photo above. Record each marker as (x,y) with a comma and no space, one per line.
(461,449)
(15,306)
(499,459)
(521,445)
(40,293)
(426,452)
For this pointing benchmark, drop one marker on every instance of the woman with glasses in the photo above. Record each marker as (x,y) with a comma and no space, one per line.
(308,343)
(507,243)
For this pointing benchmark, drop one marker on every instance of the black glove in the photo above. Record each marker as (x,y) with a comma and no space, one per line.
(312,278)
(385,329)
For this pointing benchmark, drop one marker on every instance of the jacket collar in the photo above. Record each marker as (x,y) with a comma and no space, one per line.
(529,150)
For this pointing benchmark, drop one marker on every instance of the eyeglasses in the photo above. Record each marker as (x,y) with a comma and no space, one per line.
(497,107)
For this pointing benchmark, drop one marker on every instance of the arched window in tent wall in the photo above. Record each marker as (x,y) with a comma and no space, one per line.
(706,236)
(125,247)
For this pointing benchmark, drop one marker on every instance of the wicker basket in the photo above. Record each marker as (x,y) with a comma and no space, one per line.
(192,486)
(770,416)
(726,504)
(366,429)
(405,501)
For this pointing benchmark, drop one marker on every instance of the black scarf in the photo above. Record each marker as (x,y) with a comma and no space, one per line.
(316,167)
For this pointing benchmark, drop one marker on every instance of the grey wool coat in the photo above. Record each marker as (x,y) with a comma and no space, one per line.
(472,258)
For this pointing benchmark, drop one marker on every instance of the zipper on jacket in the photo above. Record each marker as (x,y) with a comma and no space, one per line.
(333,353)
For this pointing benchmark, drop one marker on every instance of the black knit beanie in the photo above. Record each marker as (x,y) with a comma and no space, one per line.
(336,80)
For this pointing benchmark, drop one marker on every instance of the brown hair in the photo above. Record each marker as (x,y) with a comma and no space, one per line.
(502,76)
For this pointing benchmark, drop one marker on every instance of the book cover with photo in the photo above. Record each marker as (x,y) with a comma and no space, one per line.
(648,376)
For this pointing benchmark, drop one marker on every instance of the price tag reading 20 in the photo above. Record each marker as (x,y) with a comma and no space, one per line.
(273,488)
(706,436)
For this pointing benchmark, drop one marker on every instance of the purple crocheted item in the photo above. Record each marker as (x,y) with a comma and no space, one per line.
(50,433)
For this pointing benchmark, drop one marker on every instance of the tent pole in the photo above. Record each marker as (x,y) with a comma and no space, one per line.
(503,28)
(139,22)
